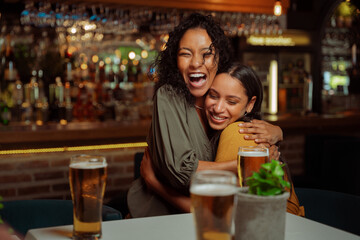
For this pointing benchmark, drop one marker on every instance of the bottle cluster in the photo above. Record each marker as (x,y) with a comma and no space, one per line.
(91,95)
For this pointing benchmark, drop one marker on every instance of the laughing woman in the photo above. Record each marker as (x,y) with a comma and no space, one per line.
(234,97)
(178,140)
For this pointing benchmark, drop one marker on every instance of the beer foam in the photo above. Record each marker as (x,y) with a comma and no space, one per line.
(88,165)
(253,154)
(213,189)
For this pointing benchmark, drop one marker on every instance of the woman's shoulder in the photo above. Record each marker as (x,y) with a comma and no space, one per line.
(166,88)
(168,97)
(166,91)
(230,141)
(231,128)
(231,134)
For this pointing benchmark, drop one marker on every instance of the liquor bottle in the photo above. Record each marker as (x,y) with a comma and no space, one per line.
(2,73)
(354,75)
(2,82)
(78,110)
(40,82)
(4,113)
(118,93)
(10,72)
(26,108)
(38,113)
(89,110)
(53,107)
(68,104)
(59,93)
(131,72)
(18,97)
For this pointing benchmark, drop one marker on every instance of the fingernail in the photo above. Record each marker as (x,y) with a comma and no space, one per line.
(246,136)
(240,125)
(241,130)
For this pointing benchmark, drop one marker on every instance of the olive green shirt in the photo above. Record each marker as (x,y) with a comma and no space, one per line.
(177,141)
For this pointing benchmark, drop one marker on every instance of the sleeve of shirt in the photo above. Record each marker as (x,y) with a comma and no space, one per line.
(230,141)
(174,158)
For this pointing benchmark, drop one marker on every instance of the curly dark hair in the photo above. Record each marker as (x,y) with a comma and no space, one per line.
(165,64)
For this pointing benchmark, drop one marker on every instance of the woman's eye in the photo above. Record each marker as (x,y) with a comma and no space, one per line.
(232,102)
(212,96)
(207,54)
(183,54)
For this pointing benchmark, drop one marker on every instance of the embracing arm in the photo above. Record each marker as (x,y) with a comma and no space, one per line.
(261,132)
(172,196)
(227,165)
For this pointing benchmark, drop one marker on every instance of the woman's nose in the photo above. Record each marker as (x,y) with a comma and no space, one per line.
(197,61)
(219,106)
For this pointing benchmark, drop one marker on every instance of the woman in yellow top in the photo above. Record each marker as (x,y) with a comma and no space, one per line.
(234,98)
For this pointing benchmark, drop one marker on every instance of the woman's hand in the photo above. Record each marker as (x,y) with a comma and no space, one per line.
(274,153)
(261,132)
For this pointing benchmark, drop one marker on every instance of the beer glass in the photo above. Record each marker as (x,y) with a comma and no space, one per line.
(212,203)
(87,177)
(250,159)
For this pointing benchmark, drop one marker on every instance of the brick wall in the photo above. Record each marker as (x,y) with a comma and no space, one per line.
(292,150)
(45,175)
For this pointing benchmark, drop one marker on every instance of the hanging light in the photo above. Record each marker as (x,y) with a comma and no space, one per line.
(277,8)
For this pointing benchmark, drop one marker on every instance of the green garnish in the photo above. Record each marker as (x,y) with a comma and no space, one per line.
(269,180)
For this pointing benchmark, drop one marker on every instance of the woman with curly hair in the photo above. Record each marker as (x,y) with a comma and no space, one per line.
(178,140)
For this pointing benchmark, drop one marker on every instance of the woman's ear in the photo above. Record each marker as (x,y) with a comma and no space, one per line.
(250,104)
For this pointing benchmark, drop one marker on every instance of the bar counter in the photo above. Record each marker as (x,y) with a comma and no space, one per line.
(22,136)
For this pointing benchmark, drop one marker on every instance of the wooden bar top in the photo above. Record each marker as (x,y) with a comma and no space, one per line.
(75,131)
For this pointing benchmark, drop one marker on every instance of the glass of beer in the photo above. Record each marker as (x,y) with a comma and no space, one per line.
(212,203)
(87,177)
(250,159)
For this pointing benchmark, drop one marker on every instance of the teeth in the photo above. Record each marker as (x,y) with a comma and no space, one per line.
(197,75)
(218,118)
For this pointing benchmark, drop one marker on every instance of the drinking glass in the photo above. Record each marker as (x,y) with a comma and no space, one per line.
(250,159)
(212,203)
(87,177)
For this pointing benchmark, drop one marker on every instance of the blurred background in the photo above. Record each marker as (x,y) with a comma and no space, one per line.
(74,76)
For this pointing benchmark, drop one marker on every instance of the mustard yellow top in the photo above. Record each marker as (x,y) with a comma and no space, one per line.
(230,141)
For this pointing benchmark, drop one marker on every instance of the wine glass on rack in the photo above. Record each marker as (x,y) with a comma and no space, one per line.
(27,16)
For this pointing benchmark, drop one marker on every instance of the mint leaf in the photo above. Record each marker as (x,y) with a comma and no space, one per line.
(268,180)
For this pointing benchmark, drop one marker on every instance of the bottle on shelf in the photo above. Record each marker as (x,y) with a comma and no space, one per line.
(4,112)
(68,103)
(60,101)
(10,72)
(26,107)
(18,96)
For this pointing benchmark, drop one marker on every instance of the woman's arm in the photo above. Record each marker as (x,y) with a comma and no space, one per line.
(226,165)
(175,198)
(261,132)
(178,200)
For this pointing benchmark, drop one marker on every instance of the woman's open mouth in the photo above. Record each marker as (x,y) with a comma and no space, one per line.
(197,79)
(218,119)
